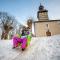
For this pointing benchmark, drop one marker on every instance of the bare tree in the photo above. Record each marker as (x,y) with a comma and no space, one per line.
(7,23)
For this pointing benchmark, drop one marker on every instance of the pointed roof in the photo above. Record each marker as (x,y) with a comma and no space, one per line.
(41,8)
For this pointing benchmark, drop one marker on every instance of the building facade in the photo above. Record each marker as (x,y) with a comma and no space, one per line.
(44,26)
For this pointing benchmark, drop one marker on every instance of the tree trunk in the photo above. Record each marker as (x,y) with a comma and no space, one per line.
(4,35)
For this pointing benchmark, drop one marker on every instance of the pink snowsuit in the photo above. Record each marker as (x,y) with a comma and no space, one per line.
(24,42)
(17,40)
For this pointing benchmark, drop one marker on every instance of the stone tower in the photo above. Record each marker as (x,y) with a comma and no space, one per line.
(29,23)
(42,13)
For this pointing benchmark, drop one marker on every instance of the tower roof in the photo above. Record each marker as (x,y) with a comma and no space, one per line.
(41,8)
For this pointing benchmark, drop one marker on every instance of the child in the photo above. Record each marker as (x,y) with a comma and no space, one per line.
(23,40)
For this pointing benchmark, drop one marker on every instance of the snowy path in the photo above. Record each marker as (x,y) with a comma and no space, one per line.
(41,48)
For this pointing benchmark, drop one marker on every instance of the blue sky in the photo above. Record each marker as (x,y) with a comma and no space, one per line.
(24,9)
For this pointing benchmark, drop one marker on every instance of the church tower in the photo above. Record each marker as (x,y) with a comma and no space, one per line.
(42,14)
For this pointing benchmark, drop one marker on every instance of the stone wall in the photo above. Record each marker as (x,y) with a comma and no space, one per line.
(40,28)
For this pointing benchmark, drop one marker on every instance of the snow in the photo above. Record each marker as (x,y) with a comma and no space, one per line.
(41,48)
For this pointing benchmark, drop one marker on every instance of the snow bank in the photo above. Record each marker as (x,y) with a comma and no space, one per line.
(41,48)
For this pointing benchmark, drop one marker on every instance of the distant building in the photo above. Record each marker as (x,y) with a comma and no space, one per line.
(44,26)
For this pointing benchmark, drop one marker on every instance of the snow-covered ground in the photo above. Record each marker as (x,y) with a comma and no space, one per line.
(41,48)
